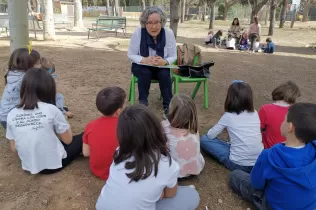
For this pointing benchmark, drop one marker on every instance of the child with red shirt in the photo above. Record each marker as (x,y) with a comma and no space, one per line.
(272,115)
(100,139)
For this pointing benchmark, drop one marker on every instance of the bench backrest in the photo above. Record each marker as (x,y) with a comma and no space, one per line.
(61,18)
(4,21)
(112,21)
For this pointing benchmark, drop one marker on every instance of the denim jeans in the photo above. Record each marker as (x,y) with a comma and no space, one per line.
(220,151)
(145,74)
(240,184)
(187,198)
(4,124)
(253,38)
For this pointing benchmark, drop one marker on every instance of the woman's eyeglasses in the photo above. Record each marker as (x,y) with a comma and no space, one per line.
(151,24)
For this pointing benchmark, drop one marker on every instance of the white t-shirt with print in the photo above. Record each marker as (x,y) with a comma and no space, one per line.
(244,134)
(120,193)
(35,139)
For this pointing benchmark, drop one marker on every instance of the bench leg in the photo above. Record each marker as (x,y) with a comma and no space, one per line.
(124,32)
(115,32)
(88,33)
(197,87)
(6,31)
(96,33)
(206,94)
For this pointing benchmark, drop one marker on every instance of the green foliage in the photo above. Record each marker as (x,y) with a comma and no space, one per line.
(221,9)
(3,1)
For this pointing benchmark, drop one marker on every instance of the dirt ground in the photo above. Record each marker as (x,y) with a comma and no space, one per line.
(86,66)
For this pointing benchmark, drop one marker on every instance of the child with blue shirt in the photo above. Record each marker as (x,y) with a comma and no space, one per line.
(270,46)
(283,177)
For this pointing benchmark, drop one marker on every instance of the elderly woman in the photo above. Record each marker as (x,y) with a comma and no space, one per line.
(153,45)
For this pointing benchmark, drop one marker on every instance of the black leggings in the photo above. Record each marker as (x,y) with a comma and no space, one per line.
(73,150)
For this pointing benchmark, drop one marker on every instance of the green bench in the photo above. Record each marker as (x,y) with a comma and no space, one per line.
(108,23)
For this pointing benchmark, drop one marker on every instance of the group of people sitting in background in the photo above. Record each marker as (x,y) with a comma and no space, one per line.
(240,39)
(271,153)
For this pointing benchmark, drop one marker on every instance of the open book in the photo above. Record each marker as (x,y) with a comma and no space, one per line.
(164,67)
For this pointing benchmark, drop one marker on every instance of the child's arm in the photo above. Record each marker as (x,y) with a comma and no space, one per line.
(62,128)
(257,175)
(263,118)
(170,192)
(85,150)
(218,128)
(12,146)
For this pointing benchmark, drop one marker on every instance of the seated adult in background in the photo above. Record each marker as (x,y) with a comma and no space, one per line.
(235,30)
(254,32)
(154,45)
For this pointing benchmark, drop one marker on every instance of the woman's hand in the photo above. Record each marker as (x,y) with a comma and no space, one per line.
(148,60)
(159,61)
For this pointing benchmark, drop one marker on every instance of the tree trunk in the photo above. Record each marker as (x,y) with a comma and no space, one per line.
(293,17)
(203,11)
(272,17)
(174,16)
(18,18)
(143,5)
(113,8)
(29,6)
(38,6)
(78,22)
(151,3)
(117,7)
(108,7)
(48,20)
(306,9)
(267,16)
(212,15)
(283,13)
(256,7)
(182,11)
(187,8)
(225,11)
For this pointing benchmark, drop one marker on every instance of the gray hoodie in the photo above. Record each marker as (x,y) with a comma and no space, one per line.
(11,94)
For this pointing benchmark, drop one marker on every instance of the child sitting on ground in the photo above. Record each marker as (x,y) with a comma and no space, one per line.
(60,102)
(216,39)
(208,38)
(181,129)
(270,46)
(284,175)
(100,138)
(272,115)
(243,44)
(20,61)
(243,125)
(143,171)
(37,129)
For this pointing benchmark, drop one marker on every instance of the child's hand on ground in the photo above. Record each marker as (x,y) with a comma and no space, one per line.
(69,114)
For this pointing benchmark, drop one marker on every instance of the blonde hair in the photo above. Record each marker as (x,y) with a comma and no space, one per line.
(183,113)
(287,92)
(47,64)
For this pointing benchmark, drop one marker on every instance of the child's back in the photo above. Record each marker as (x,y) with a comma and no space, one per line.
(290,173)
(100,135)
(11,94)
(185,149)
(272,115)
(20,61)
(100,138)
(181,129)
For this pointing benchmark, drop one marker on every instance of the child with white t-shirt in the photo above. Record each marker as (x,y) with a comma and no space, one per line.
(142,170)
(181,129)
(35,126)
(243,125)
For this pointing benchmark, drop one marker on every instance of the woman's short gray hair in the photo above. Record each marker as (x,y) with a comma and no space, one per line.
(144,16)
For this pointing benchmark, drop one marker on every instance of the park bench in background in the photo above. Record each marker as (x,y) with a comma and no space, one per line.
(108,23)
(62,19)
(32,21)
